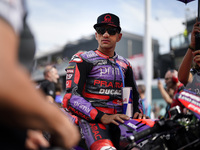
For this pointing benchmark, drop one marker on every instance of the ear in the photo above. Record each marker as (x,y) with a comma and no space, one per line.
(96,35)
(119,37)
(48,74)
(174,79)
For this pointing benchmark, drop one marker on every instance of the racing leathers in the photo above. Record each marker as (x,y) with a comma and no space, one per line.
(93,85)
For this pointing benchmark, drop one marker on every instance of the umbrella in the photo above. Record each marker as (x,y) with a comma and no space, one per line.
(187,1)
(197,36)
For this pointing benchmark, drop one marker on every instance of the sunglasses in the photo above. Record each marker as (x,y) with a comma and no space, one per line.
(111,31)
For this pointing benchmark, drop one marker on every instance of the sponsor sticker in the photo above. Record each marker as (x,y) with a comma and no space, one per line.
(70,67)
(69,76)
(76,58)
(110,91)
(68,83)
(70,70)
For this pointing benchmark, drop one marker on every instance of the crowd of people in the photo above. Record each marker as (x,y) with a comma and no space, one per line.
(93,88)
(185,77)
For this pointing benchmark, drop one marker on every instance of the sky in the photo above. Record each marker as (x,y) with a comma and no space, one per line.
(58,22)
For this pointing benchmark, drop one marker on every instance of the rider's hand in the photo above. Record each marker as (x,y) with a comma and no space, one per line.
(107,119)
(138,115)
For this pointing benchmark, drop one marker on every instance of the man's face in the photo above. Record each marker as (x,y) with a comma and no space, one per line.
(107,37)
(53,74)
(168,79)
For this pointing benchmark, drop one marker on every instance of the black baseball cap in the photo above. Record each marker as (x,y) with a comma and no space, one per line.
(108,19)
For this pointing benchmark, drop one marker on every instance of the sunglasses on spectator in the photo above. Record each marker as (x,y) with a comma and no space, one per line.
(111,31)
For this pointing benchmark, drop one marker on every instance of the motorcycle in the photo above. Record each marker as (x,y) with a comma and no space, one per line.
(181,131)
(127,129)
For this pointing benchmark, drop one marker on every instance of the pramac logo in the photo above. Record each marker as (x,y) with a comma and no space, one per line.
(107,19)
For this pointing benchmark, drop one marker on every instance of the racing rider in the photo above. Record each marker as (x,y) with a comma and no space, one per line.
(93,86)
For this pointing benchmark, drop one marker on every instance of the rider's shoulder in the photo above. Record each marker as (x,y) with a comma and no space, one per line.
(123,60)
(89,54)
(83,55)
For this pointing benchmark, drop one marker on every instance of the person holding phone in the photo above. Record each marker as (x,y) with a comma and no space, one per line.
(190,66)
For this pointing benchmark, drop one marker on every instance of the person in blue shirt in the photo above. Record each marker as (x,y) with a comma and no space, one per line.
(145,107)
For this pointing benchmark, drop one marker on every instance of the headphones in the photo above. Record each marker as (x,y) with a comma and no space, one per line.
(174,78)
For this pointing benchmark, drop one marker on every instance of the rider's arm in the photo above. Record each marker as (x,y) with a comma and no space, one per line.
(77,71)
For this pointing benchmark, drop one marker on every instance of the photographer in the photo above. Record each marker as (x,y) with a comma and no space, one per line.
(190,66)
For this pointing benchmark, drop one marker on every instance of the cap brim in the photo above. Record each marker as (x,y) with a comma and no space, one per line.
(101,24)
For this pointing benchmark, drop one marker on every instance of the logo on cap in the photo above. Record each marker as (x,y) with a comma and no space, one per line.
(107,19)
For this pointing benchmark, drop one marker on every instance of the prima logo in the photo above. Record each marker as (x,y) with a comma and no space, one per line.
(82,107)
(109,70)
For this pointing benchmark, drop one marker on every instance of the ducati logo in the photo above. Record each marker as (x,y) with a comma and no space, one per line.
(110,91)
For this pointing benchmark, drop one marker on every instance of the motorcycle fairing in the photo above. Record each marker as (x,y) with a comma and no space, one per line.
(190,100)
(132,126)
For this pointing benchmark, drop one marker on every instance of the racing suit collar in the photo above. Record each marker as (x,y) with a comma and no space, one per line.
(105,56)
